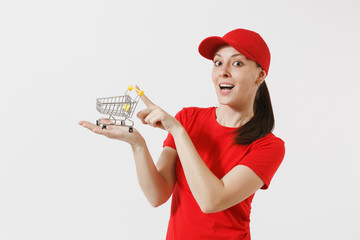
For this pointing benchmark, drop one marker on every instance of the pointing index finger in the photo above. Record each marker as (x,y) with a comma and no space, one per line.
(145,99)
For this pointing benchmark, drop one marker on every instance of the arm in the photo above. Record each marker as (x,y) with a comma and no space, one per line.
(157,182)
(212,194)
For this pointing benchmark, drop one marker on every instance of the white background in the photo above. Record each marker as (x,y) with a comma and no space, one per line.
(60,181)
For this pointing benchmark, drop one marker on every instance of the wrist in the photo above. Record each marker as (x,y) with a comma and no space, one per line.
(139,144)
(178,130)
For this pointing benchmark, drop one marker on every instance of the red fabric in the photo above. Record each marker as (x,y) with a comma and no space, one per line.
(215,145)
(246,42)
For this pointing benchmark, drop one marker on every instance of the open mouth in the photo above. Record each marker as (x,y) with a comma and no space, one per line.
(226,87)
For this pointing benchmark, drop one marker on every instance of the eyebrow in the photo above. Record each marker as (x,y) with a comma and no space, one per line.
(235,55)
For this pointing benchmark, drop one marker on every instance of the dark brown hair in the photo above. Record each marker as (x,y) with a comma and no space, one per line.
(262,123)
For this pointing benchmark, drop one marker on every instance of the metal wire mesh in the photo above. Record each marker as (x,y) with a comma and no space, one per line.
(122,106)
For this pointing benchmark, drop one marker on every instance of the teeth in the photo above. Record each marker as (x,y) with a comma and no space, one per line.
(226,85)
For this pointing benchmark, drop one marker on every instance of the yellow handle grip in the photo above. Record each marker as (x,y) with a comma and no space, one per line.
(126,107)
(140,92)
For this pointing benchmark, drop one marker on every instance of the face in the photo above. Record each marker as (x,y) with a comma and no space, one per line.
(236,78)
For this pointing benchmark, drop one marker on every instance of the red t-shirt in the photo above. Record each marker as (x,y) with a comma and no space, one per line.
(216,147)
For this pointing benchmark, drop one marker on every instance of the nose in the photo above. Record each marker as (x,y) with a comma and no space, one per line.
(225,75)
(224,72)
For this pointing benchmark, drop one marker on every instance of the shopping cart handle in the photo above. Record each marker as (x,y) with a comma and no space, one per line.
(140,92)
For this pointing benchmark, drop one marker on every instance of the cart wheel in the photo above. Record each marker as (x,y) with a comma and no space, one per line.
(97,123)
(131,129)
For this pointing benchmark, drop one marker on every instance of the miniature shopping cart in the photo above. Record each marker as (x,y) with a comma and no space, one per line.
(120,109)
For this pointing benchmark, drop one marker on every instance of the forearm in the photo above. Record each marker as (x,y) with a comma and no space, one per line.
(151,182)
(204,185)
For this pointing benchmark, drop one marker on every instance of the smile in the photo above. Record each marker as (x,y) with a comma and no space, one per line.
(225,88)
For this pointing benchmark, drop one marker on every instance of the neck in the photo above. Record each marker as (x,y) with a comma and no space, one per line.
(234,118)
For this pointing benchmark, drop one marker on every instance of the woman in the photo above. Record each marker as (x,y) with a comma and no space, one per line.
(214,159)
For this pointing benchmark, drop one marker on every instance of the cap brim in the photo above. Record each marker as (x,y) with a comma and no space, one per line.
(209,45)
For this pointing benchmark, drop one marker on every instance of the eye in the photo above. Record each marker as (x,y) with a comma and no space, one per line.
(217,63)
(238,64)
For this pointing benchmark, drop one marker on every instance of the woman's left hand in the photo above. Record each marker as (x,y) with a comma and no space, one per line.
(157,117)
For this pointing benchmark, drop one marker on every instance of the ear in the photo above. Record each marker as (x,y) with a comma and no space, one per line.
(261,77)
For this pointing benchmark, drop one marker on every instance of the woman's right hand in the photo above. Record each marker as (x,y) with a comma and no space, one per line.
(116,132)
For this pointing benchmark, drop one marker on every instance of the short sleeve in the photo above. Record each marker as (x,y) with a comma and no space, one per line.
(265,157)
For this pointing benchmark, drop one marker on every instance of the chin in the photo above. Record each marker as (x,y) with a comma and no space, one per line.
(229,101)
(226,102)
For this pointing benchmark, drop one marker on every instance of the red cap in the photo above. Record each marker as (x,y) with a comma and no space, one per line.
(248,43)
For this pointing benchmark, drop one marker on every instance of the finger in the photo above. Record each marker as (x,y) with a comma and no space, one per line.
(143,114)
(147,101)
(154,122)
(92,127)
(151,118)
(87,125)
(154,119)
(105,121)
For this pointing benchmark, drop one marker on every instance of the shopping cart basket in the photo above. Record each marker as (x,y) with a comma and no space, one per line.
(119,108)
